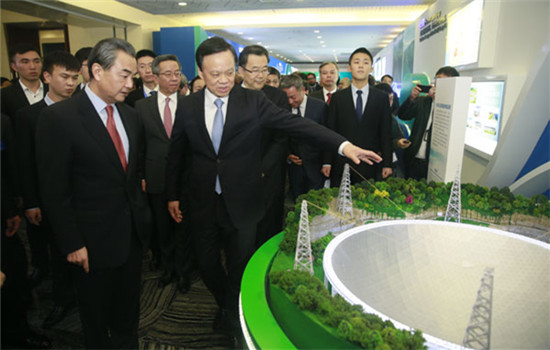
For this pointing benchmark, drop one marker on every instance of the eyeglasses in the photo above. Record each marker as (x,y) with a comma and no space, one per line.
(171,74)
(256,71)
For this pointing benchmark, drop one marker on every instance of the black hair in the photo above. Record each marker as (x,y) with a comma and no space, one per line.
(21,49)
(192,82)
(252,50)
(384,87)
(156,62)
(61,59)
(82,54)
(145,53)
(360,50)
(104,53)
(211,46)
(386,76)
(273,70)
(448,71)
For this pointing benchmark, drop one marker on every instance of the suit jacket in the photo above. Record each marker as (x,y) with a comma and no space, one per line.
(312,156)
(318,94)
(238,161)
(27,121)
(274,149)
(156,144)
(372,133)
(13,98)
(419,110)
(89,199)
(134,96)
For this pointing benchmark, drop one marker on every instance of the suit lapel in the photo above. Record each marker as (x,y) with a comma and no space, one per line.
(368,106)
(234,110)
(152,104)
(200,119)
(93,124)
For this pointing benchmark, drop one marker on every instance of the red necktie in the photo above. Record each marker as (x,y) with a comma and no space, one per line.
(329,95)
(167,118)
(111,129)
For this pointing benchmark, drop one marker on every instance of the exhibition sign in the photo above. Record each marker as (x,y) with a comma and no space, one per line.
(450,112)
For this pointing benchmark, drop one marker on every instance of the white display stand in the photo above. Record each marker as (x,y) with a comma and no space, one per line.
(448,128)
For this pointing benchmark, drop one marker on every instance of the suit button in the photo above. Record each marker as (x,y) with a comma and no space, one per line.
(218,161)
(262,175)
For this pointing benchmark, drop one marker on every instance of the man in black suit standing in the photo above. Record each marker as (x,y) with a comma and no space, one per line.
(148,85)
(253,68)
(362,115)
(61,74)
(304,170)
(28,89)
(156,115)
(88,151)
(328,77)
(217,137)
(82,57)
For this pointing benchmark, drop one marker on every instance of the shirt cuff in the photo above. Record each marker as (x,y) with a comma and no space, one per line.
(341,148)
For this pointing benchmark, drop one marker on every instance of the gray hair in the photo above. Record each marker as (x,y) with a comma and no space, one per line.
(161,58)
(104,53)
(289,81)
(327,63)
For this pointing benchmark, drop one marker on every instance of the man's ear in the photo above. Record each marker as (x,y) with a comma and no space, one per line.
(97,71)
(47,77)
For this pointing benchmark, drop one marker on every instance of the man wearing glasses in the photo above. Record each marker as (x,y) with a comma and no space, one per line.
(156,114)
(253,67)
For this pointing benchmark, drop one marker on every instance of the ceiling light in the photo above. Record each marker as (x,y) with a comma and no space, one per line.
(319,37)
(317,31)
(182,3)
(323,45)
(250,38)
(240,33)
(321,42)
(259,43)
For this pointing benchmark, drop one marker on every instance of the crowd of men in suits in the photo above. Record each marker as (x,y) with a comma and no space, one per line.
(106,171)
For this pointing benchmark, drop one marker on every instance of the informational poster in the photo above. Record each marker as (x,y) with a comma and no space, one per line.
(464,35)
(484,115)
(448,128)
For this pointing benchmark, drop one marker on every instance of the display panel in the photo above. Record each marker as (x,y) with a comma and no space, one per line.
(484,115)
(464,35)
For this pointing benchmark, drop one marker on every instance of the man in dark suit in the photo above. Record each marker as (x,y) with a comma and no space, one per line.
(88,151)
(388,79)
(304,170)
(156,115)
(82,57)
(28,89)
(420,109)
(328,77)
(253,68)
(61,74)
(144,66)
(217,137)
(362,115)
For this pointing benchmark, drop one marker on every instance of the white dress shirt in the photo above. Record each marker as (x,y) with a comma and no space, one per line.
(364,96)
(33,97)
(210,109)
(161,99)
(99,106)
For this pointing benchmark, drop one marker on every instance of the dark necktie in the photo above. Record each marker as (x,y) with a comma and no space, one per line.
(111,129)
(217,131)
(329,95)
(298,111)
(359,105)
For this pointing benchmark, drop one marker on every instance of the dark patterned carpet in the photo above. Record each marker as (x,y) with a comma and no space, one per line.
(169,320)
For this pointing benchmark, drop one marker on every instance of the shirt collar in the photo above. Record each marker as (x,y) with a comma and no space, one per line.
(48,100)
(97,102)
(365,90)
(25,88)
(162,97)
(209,97)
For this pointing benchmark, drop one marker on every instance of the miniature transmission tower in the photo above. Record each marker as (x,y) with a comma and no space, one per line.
(454,205)
(303,259)
(478,332)
(345,206)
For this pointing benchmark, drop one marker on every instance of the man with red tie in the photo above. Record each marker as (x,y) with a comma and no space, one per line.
(156,115)
(328,77)
(88,153)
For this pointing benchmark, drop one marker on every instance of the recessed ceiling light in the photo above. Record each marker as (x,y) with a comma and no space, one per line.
(319,37)
(182,3)
(240,33)
(321,42)
(250,38)
(259,43)
(316,31)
